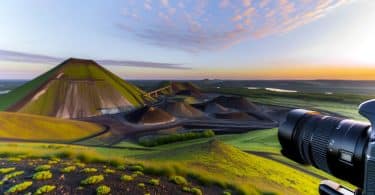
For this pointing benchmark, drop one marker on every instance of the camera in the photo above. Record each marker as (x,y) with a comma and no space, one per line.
(342,147)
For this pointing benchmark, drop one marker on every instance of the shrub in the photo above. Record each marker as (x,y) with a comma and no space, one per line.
(192,190)
(7,170)
(196,191)
(89,170)
(14,159)
(42,175)
(141,185)
(43,168)
(136,173)
(227,192)
(45,189)
(92,180)
(186,189)
(126,178)
(208,133)
(68,169)
(12,175)
(179,180)
(154,182)
(155,140)
(121,167)
(20,187)
(52,162)
(80,165)
(101,190)
(109,170)
(136,168)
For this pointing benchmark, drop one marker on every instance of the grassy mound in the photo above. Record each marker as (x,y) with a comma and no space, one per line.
(39,128)
(215,160)
(76,88)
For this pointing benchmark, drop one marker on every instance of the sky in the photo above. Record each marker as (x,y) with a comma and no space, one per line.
(192,39)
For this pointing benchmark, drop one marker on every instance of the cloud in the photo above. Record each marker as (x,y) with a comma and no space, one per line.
(196,26)
(13,56)
(224,3)
(165,3)
(246,3)
(147,5)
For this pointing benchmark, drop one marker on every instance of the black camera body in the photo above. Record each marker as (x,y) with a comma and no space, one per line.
(342,147)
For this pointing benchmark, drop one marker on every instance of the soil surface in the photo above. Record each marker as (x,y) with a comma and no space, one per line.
(69,183)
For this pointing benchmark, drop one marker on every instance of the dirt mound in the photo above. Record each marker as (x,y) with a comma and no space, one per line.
(215,108)
(181,109)
(236,102)
(75,89)
(155,115)
(149,115)
(235,116)
(185,88)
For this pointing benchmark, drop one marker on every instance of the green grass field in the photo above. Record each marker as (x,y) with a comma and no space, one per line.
(39,128)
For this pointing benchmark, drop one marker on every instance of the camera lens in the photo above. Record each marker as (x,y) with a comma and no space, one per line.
(335,145)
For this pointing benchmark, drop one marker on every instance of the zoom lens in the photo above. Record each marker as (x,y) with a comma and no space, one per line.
(335,145)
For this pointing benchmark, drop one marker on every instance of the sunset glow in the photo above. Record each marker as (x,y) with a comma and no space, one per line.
(161,39)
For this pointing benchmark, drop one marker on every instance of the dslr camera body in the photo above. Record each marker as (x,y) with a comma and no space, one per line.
(341,147)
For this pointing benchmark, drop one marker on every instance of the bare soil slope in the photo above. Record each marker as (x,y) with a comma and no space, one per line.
(236,102)
(155,115)
(181,109)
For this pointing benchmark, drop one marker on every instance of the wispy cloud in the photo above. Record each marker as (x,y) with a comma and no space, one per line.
(206,25)
(13,56)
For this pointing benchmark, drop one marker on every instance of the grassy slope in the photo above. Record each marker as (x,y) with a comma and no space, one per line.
(17,94)
(228,164)
(40,128)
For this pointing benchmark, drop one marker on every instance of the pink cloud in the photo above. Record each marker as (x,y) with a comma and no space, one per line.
(196,25)
(224,3)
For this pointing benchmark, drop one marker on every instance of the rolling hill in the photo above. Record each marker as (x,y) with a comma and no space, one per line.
(215,160)
(20,126)
(74,89)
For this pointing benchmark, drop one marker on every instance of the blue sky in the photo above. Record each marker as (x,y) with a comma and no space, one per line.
(188,39)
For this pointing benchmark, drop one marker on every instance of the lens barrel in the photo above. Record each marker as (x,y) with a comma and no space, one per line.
(335,145)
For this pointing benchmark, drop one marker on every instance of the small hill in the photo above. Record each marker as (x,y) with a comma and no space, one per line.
(155,115)
(18,126)
(181,109)
(149,115)
(186,88)
(74,89)
(229,165)
(236,102)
